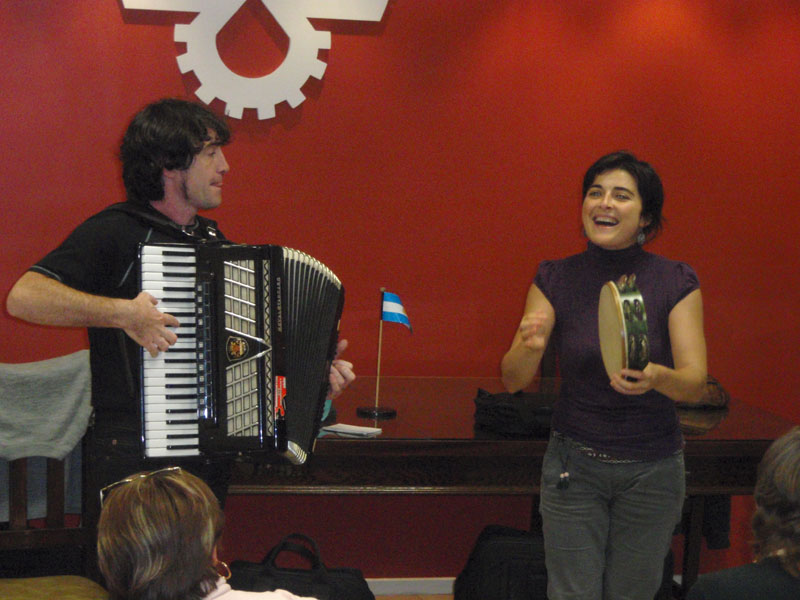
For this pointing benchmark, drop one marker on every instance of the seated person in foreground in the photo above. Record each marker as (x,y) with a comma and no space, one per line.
(775,573)
(157,539)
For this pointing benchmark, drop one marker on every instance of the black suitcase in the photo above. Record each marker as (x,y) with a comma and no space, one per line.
(505,564)
(317,581)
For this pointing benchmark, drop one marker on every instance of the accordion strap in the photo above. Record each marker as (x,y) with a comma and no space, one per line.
(206,230)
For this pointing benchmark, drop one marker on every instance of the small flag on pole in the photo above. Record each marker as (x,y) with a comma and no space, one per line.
(393,310)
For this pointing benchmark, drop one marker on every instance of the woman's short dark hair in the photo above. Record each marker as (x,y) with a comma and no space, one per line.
(164,135)
(648,183)
(776,521)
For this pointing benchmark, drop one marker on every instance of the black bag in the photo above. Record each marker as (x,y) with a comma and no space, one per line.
(505,564)
(318,581)
(514,415)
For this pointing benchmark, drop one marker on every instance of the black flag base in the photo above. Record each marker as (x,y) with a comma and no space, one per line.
(376,412)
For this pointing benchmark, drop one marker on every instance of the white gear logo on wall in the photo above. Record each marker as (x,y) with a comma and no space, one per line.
(284,83)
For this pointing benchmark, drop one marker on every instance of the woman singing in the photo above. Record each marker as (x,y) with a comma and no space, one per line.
(613,477)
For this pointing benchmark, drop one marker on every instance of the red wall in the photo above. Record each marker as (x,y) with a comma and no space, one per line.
(441,157)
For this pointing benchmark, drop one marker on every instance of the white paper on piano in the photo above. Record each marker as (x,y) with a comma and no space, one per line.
(352,430)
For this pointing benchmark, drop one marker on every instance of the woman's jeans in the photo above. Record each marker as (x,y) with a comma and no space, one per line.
(608,529)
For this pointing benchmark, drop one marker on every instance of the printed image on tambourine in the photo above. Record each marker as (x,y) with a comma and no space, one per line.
(622,323)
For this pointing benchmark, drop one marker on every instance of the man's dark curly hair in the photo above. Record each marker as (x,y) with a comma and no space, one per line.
(165,135)
(776,521)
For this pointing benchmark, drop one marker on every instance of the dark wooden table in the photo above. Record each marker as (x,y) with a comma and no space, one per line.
(431,447)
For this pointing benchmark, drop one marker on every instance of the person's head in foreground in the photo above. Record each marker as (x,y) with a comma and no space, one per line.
(157,537)
(776,521)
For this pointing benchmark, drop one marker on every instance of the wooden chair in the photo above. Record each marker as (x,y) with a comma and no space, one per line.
(30,538)
(41,558)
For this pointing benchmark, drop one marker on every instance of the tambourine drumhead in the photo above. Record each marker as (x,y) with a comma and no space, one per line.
(622,326)
(612,329)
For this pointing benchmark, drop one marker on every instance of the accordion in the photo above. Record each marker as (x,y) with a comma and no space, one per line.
(249,372)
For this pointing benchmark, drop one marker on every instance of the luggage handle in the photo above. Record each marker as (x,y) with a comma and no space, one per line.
(307,549)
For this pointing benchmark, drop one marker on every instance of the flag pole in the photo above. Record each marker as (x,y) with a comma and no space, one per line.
(375,412)
(378,372)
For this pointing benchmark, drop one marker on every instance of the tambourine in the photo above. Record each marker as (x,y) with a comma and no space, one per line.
(622,325)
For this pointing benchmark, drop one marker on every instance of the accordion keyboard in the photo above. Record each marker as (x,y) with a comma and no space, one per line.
(172,381)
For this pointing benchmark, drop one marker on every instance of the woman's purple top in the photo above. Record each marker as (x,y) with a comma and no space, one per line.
(641,427)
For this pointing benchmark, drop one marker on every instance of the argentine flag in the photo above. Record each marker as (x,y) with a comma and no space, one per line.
(393,310)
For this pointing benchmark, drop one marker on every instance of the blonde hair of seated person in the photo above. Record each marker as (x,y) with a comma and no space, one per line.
(157,537)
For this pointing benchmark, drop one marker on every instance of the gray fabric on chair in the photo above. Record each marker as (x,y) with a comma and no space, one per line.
(44,406)
(44,412)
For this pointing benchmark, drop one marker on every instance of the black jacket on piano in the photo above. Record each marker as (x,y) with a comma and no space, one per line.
(100,257)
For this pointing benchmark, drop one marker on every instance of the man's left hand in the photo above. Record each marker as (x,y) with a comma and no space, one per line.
(342,373)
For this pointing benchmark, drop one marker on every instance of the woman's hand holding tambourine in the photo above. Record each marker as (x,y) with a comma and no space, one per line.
(632,382)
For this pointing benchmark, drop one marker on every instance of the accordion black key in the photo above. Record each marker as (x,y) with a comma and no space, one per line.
(249,372)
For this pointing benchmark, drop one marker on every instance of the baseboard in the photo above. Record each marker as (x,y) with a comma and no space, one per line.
(422,585)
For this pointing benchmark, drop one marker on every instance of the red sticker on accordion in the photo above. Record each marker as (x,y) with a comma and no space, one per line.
(280,394)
